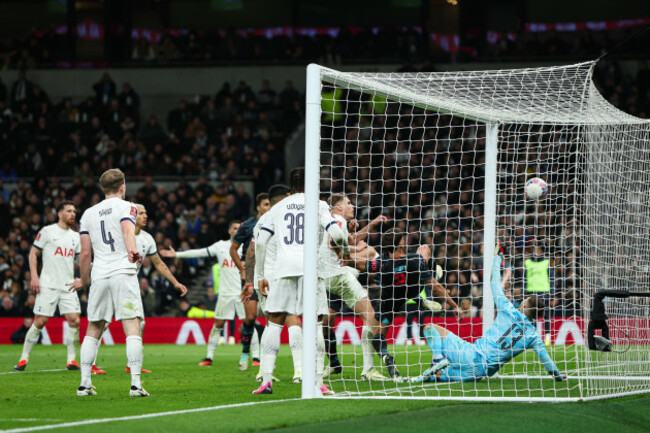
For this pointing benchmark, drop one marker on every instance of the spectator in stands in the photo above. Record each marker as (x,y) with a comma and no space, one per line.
(21,90)
(104,89)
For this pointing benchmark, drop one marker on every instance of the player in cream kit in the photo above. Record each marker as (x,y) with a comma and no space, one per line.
(286,227)
(108,234)
(57,244)
(228,304)
(146,246)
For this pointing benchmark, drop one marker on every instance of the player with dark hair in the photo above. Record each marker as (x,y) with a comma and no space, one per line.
(401,276)
(238,248)
(514,330)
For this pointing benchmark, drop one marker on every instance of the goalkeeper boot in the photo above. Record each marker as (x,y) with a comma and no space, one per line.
(205,362)
(138,392)
(96,370)
(326,391)
(332,370)
(72,366)
(389,362)
(243,361)
(372,374)
(82,391)
(436,367)
(265,388)
(21,365)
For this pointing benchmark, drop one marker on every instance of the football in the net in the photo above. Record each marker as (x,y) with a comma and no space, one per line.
(536,188)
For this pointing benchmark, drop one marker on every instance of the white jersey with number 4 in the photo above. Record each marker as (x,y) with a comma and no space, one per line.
(286,222)
(271,252)
(229,275)
(329,264)
(103,223)
(58,248)
(146,246)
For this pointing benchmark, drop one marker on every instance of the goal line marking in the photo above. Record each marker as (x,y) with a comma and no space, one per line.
(138,417)
(34,371)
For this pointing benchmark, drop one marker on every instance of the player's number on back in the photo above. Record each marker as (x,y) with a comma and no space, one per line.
(517,335)
(296,226)
(107,237)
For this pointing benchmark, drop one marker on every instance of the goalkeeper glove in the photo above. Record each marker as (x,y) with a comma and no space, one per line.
(559,377)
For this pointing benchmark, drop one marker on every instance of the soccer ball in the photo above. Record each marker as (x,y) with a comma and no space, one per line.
(536,188)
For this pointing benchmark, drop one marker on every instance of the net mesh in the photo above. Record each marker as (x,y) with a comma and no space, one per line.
(409,152)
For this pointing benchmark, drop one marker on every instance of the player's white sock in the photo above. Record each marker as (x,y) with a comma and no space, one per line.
(31,339)
(367,349)
(141,328)
(134,358)
(72,339)
(87,357)
(270,348)
(320,354)
(295,343)
(213,340)
(255,345)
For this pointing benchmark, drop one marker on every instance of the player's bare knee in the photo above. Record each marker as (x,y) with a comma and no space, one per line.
(219,323)
(73,321)
(40,321)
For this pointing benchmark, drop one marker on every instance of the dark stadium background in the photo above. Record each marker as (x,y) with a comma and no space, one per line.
(201,103)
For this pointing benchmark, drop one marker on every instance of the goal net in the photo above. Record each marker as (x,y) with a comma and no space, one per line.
(435,165)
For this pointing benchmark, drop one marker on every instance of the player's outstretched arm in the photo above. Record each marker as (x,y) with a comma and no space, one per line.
(34,284)
(165,272)
(545,358)
(364,232)
(84,258)
(190,254)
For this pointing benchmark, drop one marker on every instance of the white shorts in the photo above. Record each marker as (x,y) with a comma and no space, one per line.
(48,298)
(227,307)
(117,295)
(345,286)
(285,296)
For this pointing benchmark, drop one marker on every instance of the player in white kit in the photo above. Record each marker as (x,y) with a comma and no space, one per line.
(228,304)
(146,246)
(108,234)
(294,325)
(286,227)
(58,245)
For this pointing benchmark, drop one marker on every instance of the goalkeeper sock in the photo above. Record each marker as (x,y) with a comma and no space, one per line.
(246,336)
(434,341)
(213,340)
(295,343)
(320,354)
(380,345)
(270,348)
(87,356)
(367,349)
(134,357)
(31,339)
(72,339)
(330,347)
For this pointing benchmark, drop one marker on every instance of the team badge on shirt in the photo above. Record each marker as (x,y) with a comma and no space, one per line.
(134,212)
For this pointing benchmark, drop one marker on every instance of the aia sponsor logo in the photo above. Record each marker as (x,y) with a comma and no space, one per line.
(64,252)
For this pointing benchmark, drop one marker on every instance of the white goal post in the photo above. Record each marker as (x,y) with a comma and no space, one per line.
(442,159)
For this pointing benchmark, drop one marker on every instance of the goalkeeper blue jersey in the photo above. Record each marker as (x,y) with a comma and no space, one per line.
(511,333)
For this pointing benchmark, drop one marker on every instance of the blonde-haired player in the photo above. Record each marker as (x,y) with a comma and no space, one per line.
(108,234)
(57,244)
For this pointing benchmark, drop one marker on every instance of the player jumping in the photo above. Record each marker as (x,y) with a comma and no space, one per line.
(513,331)
(58,244)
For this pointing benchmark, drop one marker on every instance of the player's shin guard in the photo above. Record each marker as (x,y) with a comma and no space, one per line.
(134,357)
(31,339)
(320,354)
(330,346)
(87,357)
(270,348)
(295,343)
(71,341)
(434,341)
(367,349)
(246,336)
(213,340)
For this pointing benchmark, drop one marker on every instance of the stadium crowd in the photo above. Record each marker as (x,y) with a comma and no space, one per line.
(238,134)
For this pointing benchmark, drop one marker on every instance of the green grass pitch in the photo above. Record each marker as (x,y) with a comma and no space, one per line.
(46,398)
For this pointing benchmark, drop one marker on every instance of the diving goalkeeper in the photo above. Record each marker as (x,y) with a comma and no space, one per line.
(513,331)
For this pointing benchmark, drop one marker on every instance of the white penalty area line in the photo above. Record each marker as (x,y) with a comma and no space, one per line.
(29,419)
(143,416)
(33,371)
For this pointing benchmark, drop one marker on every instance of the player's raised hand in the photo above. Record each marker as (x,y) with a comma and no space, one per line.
(168,254)
(134,256)
(246,292)
(35,285)
(379,219)
(353,225)
(181,288)
(76,285)
(264,287)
